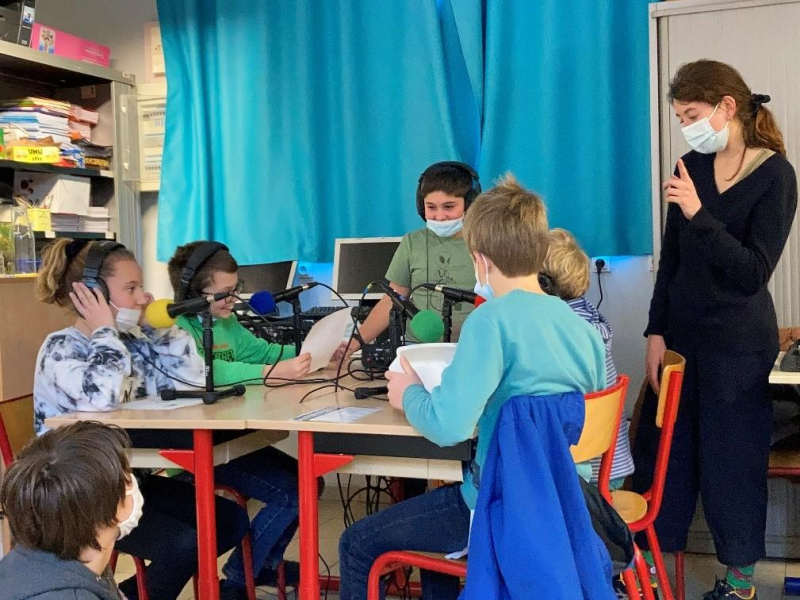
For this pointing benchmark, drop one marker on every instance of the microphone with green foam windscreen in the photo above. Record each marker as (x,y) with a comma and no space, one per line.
(426,325)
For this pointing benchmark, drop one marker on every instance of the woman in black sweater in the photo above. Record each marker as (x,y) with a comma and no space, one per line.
(732,201)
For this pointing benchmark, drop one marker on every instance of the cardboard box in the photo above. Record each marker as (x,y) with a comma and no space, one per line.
(59,193)
(53,41)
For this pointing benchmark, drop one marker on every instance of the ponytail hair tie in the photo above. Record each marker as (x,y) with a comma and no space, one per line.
(756,100)
(74,248)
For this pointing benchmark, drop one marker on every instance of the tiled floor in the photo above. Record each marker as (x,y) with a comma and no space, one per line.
(700,569)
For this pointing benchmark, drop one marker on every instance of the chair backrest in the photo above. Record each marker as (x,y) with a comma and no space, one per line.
(603,413)
(672,363)
(669,398)
(599,436)
(6,454)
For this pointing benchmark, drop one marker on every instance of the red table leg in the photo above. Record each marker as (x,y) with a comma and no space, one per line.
(309,517)
(206,517)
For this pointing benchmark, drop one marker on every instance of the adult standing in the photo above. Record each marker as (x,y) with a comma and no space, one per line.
(732,200)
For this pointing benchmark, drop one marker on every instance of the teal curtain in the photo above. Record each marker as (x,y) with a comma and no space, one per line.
(566,110)
(293,122)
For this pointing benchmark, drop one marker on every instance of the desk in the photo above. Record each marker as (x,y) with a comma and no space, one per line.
(271,412)
(785,465)
(777,376)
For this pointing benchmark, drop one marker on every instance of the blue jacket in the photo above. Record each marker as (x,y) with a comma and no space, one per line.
(532,536)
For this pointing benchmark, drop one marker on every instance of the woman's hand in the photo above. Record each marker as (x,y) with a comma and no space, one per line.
(92,306)
(680,190)
(656,348)
(294,368)
(399,382)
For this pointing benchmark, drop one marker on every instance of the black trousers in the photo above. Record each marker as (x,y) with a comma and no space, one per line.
(167,536)
(720,450)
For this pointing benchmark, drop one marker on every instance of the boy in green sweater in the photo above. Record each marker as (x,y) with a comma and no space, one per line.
(267,475)
(239,356)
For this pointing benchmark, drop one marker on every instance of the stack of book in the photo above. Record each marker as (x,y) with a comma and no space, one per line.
(96,221)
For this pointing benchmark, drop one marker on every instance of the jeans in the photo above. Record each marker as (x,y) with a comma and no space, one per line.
(270,476)
(167,536)
(437,521)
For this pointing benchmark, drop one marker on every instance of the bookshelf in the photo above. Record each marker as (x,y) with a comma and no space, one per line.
(24,322)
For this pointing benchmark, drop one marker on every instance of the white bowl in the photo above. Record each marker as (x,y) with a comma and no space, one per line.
(428,360)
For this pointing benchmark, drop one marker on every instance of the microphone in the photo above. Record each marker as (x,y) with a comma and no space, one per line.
(455,294)
(162,313)
(426,325)
(265,302)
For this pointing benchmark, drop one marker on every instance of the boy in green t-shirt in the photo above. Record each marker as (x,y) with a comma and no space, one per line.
(239,356)
(434,254)
(268,475)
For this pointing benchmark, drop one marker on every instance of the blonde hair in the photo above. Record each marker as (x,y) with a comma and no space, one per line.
(566,265)
(508,224)
(58,273)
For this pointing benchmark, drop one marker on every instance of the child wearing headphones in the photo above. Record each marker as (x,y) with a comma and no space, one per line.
(268,475)
(566,275)
(434,254)
(202,268)
(111,356)
(61,552)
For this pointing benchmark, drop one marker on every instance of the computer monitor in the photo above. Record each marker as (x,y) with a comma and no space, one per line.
(359,261)
(271,277)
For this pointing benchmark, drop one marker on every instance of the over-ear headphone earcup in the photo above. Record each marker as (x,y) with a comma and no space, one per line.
(99,284)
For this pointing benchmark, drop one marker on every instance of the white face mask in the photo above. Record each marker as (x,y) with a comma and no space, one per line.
(703,138)
(127,318)
(445,229)
(129,524)
(485,290)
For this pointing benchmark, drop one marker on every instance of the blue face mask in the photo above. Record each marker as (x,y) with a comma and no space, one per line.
(445,229)
(484,290)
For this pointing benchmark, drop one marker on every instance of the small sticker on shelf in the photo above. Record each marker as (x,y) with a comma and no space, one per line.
(88,91)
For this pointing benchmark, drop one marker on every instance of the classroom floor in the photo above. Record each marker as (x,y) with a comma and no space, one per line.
(700,569)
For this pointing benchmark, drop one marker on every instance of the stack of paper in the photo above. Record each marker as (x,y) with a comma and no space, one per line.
(97,221)
(97,157)
(64,222)
(36,123)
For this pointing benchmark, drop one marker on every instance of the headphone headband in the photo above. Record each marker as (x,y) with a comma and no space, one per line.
(472,193)
(199,257)
(95,257)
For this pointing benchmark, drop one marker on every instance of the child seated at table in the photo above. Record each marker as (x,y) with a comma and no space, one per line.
(566,269)
(520,342)
(202,268)
(111,355)
(269,475)
(68,497)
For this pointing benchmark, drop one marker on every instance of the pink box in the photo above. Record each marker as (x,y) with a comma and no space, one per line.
(53,41)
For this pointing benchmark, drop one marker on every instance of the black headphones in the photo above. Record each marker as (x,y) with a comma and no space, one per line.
(472,193)
(95,257)
(199,257)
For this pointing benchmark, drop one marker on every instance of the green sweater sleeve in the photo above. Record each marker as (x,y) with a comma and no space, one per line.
(449,414)
(253,350)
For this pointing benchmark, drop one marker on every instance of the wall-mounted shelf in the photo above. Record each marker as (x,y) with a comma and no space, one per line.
(46,168)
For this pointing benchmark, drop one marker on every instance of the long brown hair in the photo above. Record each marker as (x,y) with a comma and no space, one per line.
(709,81)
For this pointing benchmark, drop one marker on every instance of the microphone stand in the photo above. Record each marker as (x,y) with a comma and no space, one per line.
(297,323)
(395,330)
(447,317)
(209,395)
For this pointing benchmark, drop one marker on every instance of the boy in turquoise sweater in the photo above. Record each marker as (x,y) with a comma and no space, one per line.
(239,356)
(520,342)
(268,475)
